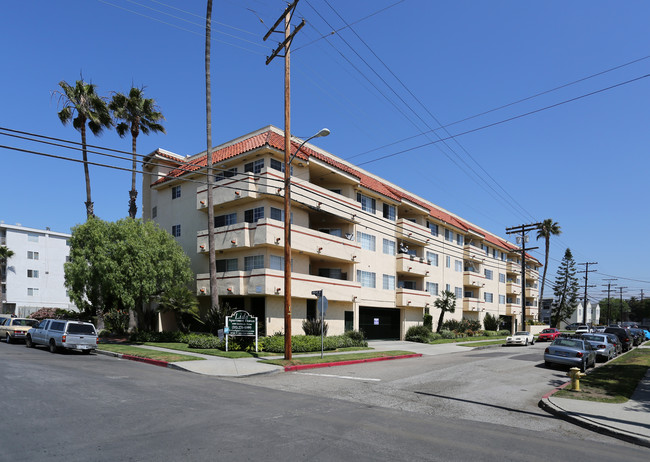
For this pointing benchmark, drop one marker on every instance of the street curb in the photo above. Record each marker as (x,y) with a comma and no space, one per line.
(546,405)
(345,363)
(153,362)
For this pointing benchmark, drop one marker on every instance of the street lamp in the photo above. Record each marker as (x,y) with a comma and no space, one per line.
(287,241)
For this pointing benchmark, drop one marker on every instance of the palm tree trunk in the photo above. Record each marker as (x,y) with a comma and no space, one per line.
(439,326)
(214,295)
(133,194)
(89,202)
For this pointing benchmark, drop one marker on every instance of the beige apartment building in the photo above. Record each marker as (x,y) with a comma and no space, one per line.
(381,255)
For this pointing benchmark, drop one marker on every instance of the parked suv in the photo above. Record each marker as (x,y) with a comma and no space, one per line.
(623,334)
(61,333)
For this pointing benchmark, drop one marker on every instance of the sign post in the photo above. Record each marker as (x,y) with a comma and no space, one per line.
(241,324)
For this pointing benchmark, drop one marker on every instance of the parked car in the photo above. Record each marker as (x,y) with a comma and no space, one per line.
(583,329)
(646,333)
(638,336)
(548,335)
(572,352)
(623,334)
(13,329)
(61,333)
(573,326)
(604,348)
(613,338)
(599,329)
(521,338)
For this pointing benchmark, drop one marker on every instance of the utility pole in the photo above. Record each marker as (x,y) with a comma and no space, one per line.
(609,288)
(621,301)
(286,44)
(586,271)
(523,229)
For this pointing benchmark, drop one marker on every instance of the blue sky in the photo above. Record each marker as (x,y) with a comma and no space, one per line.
(383,86)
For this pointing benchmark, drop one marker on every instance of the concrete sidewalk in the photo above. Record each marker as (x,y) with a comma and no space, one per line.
(628,421)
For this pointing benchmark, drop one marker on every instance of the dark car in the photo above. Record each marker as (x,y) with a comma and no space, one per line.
(623,334)
(613,338)
(638,335)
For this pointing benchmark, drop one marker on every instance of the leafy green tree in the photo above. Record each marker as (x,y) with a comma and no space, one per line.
(639,309)
(123,265)
(565,290)
(491,322)
(446,304)
(91,110)
(136,114)
(546,230)
(5,253)
(183,303)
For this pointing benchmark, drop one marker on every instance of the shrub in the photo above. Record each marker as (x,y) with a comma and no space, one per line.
(491,322)
(490,333)
(447,334)
(117,321)
(313,327)
(311,343)
(420,334)
(357,336)
(462,326)
(428,322)
(503,333)
(203,341)
(161,337)
(435,336)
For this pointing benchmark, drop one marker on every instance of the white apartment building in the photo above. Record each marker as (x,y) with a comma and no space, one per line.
(381,255)
(33,277)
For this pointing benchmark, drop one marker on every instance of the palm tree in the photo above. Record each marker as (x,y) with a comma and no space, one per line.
(137,114)
(446,304)
(92,111)
(547,229)
(5,254)
(214,295)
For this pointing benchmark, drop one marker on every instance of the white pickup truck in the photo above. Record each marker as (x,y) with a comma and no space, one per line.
(62,333)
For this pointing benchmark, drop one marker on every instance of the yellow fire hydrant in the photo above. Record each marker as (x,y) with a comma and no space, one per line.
(575,375)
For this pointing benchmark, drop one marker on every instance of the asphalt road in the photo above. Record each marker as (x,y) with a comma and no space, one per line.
(72,407)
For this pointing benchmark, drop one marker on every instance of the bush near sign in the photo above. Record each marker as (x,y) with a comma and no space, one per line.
(241,324)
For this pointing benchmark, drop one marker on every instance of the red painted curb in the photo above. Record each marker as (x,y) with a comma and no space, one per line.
(345,363)
(155,362)
(555,390)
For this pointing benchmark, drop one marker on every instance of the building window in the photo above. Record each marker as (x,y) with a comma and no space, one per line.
(433,227)
(458,291)
(388,282)
(253,215)
(502,277)
(154,211)
(489,297)
(389,247)
(253,262)
(389,212)
(449,235)
(31,237)
(459,239)
(407,285)
(488,274)
(448,261)
(278,214)
(32,255)
(332,273)
(225,220)
(368,204)
(176,230)
(331,231)
(222,175)
(458,266)
(32,273)
(432,288)
(367,241)
(277,263)
(366,278)
(277,165)
(176,192)
(32,292)
(254,167)
(502,299)
(432,258)
(228,264)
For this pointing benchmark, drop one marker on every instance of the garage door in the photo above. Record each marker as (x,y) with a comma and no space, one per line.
(380,323)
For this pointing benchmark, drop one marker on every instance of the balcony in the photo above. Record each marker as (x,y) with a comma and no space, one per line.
(408,231)
(513,267)
(513,309)
(531,311)
(513,288)
(265,281)
(532,292)
(473,304)
(409,264)
(269,232)
(473,279)
(473,253)
(413,298)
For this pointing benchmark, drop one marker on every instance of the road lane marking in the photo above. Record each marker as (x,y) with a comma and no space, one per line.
(338,376)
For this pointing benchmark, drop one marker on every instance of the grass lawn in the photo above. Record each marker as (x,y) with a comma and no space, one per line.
(614,382)
(335,358)
(145,353)
(478,344)
(466,339)
(238,354)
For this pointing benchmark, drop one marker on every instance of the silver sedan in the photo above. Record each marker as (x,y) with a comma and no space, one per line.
(570,352)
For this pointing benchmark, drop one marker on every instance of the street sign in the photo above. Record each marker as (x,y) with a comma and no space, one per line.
(321,305)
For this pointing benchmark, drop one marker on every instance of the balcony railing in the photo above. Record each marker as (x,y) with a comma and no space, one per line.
(411,298)
(407,230)
(412,265)
(473,279)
